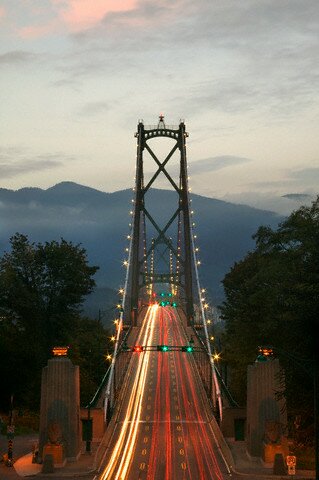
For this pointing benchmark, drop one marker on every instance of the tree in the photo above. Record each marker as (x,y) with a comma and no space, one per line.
(42,287)
(88,349)
(272,297)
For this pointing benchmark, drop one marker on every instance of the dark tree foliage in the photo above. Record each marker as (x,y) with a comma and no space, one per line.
(88,349)
(272,298)
(42,288)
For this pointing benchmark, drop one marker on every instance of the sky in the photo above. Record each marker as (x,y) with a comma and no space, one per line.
(77,76)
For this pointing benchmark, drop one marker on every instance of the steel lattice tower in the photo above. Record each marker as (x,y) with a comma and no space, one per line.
(181,247)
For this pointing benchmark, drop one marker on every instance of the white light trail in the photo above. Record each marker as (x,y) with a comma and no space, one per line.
(125,445)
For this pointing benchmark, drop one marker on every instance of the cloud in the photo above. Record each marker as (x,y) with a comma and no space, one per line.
(199,167)
(305,180)
(50,17)
(269,184)
(2,12)
(298,196)
(95,108)
(307,174)
(16,57)
(252,55)
(81,14)
(271,201)
(13,162)
(216,163)
(38,31)
(15,169)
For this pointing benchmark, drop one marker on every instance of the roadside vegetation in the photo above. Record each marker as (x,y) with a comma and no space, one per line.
(272,298)
(42,288)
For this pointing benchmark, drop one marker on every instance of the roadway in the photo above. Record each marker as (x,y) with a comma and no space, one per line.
(162,429)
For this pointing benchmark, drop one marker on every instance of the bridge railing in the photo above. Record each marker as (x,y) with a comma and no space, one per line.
(207,369)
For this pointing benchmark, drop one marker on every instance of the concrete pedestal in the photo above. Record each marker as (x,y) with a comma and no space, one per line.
(266,417)
(60,408)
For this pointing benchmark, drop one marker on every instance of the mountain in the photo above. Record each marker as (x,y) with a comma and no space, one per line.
(99,222)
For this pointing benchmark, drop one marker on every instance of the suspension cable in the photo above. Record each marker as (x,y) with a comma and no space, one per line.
(119,330)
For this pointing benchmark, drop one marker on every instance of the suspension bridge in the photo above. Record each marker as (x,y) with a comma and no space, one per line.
(162,396)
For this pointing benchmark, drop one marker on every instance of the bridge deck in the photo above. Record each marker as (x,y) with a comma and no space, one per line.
(163,426)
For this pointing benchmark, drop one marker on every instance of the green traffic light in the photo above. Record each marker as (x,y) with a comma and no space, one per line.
(174,304)
(162,348)
(187,348)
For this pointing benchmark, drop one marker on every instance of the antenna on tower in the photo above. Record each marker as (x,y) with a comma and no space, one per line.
(161,123)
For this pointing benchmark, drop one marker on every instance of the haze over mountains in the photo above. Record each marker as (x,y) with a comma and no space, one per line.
(99,222)
(281,204)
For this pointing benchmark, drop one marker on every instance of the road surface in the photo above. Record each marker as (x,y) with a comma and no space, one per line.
(163,428)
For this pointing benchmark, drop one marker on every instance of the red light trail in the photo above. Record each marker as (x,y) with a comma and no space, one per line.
(163,430)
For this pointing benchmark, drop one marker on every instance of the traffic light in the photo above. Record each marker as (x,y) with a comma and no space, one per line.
(162,304)
(137,348)
(162,294)
(162,348)
(174,304)
(187,348)
(169,294)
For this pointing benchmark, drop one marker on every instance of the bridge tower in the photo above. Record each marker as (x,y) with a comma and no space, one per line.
(178,246)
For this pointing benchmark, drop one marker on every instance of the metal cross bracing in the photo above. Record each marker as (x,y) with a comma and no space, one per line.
(142,279)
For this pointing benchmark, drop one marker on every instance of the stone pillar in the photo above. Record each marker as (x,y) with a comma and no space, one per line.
(266,416)
(60,406)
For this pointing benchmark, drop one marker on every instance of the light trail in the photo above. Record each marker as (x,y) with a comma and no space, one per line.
(167,384)
(125,445)
(157,401)
(204,452)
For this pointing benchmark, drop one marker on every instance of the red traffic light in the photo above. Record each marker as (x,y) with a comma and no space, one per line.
(137,348)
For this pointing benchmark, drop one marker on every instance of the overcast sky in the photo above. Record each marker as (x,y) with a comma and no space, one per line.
(77,75)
